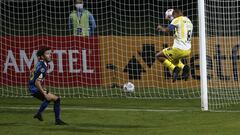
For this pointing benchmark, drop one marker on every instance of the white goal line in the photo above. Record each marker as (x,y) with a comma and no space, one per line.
(98,109)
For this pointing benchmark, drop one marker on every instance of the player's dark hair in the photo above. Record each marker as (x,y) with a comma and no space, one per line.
(41,51)
(78,1)
(177,11)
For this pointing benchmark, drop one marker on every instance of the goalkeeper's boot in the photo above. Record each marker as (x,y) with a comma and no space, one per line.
(60,122)
(176,71)
(185,73)
(38,116)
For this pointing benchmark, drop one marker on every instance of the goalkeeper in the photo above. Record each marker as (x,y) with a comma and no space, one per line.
(35,86)
(171,57)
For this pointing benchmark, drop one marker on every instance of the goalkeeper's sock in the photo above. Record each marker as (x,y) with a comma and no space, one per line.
(43,106)
(169,64)
(57,109)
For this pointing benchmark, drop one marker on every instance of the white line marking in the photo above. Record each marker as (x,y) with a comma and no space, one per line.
(222,111)
(98,109)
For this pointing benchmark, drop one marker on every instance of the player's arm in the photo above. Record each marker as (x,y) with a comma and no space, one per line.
(41,89)
(39,86)
(166,29)
(39,75)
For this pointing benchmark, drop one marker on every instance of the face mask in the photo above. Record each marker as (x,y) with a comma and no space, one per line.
(79,6)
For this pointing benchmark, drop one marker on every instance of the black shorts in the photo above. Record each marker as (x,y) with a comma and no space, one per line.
(39,96)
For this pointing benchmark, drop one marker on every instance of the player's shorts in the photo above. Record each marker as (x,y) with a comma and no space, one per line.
(39,96)
(175,54)
(36,93)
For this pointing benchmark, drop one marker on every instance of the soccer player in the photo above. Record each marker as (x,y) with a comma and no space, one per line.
(171,56)
(35,86)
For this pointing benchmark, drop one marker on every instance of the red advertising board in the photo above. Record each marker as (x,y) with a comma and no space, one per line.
(76,60)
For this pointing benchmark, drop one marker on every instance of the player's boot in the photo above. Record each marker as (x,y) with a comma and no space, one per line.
(185,73)
(60,122)
(176,71)
(38,116)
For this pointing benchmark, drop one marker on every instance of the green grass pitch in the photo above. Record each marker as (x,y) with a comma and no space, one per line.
(118,116)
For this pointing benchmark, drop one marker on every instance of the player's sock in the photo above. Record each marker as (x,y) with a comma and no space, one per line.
(57,113)
(176,70)
(169,64)
(180,64)
(185,73)
(43,107)
(57,109)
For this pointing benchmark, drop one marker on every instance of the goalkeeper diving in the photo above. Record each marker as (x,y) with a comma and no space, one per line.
(171,57)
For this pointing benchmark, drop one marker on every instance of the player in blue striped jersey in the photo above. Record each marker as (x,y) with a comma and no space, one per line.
(38,73)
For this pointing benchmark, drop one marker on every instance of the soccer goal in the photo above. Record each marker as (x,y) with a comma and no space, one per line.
(222,52)
(121,49)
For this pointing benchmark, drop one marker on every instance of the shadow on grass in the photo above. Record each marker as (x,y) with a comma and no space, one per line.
(70,128)
(19,112)
(9,124)
(48,127)
(94,125)
(91,127)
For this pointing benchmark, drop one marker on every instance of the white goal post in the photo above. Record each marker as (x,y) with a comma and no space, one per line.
(203,58)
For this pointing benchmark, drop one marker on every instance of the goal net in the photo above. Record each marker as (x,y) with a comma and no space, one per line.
(120,49)
(222,30)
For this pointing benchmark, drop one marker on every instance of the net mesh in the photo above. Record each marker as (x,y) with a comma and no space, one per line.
(122,49)
(222,23)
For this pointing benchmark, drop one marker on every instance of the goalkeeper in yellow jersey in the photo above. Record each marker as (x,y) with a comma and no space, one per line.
(171,57)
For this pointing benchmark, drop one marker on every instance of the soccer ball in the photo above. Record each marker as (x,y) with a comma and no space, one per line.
(128,87)
(169,14)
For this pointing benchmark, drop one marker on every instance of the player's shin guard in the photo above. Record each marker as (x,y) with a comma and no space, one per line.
(57,109)
(43,106)
(169,64)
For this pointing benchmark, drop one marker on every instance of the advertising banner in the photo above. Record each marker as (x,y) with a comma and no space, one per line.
(133,59)
(108,60)
(76,60)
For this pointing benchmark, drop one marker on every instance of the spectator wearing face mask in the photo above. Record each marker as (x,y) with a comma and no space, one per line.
(81,21)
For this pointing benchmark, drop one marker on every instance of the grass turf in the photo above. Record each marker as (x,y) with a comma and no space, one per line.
(102,117)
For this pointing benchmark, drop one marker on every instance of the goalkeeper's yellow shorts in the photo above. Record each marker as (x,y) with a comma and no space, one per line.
(175,54)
